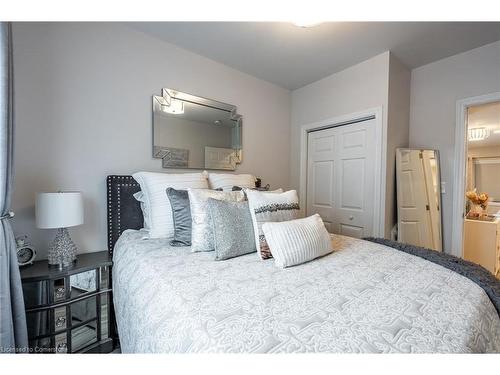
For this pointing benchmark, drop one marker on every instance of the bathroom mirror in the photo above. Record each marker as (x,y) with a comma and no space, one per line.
(419,198)
(194,132)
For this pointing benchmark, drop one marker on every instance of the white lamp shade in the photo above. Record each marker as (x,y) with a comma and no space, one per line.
(59,210)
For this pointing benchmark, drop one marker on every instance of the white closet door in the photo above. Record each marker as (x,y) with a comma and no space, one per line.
(340,179)
(321,161)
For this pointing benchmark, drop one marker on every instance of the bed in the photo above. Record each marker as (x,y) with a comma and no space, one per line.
(364,297)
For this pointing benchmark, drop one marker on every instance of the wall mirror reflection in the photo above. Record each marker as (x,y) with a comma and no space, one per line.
(419,198)
(194,132)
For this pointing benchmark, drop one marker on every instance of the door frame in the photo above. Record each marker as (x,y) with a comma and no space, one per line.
(380,159)
(459,170)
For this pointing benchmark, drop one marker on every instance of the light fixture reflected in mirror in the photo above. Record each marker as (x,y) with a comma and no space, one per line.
(478,134)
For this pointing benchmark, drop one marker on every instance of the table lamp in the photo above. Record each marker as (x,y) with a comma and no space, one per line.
(60,210)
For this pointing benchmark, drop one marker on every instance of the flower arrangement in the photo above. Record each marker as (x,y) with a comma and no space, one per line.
(479,203)
(480,199)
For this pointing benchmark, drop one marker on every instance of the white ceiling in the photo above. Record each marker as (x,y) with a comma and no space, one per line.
(485,116)
(292,57)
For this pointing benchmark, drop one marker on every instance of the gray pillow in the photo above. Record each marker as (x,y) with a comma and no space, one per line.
(232,228)
(181,215)
(201,223)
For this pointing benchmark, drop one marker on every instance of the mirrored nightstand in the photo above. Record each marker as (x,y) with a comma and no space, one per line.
(70,310)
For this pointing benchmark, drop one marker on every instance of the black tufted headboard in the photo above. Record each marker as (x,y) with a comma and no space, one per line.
(124,211)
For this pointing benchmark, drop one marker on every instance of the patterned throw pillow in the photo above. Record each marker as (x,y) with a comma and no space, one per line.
(201,224)
(232,228)
(270,207)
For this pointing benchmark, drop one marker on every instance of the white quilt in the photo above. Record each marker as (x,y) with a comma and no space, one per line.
(364,297)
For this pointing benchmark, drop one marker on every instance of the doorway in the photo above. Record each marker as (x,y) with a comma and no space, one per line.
(482,221)
(471,130)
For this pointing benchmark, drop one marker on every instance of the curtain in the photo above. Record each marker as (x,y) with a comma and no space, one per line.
(13,333)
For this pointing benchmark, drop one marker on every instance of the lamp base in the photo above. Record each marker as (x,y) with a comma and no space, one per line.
(62,250)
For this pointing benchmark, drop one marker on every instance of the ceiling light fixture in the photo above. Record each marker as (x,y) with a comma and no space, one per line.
(478,134)
(307,22)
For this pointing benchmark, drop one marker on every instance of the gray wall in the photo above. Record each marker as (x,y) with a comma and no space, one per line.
(435,89)
(381,81)
(83,111)
(398,122)
(354,89)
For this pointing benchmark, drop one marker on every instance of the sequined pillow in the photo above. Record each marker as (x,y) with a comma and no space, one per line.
(232,229)
(270,207)
(201,225)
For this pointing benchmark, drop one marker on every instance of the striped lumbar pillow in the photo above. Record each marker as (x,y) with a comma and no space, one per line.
(226,181)
(157,205)
(270,207)
(297,241)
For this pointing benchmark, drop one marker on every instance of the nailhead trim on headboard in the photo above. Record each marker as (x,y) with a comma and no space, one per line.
(120,190)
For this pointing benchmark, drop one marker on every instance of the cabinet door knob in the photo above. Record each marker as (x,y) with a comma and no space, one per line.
(351,217)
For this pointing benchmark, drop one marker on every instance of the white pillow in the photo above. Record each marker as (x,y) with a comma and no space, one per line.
(202,236)
(156,203)
(139,196)
(297,241)
(226,181)
(270,207)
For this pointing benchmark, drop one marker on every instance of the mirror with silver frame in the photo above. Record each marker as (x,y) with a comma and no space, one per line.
(419,198)
(195,132)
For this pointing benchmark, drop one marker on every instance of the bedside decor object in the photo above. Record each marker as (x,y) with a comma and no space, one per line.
(479,204)
(70,310)
(25,252)
(60,210)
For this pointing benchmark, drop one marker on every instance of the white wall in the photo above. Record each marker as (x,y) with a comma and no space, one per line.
(435,89)
(484,151)
(381,81)
(354,89)
(83,111)
(398,123)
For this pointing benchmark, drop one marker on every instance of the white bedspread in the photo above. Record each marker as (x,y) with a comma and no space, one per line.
(364,297)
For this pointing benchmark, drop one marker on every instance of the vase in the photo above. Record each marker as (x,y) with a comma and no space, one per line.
(476,211)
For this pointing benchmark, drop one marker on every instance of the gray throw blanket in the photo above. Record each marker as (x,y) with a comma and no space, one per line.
(474,272)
